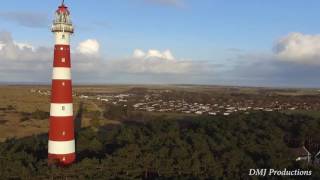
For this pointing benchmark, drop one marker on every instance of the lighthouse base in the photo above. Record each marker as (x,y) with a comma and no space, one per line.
(61,159)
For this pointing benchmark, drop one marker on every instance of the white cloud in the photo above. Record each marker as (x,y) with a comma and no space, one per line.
(89,47)
(138,53)
(151,62)
(11,50)
(2,45)
(24,46)
(157,62)
(153,53)
(168,55)
(299,48)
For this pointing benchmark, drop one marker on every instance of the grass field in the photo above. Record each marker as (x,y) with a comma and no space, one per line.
(22,100)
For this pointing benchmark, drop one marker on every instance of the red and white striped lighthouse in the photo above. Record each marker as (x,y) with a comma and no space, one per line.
(61,145)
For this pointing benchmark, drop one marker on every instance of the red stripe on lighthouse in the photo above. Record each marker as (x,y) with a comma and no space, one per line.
(64,159)
(61,129)
(62,56)
(61,91)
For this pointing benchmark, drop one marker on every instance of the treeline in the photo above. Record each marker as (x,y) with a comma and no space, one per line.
(8,108)
(25,116)
(37,114)
(188,148)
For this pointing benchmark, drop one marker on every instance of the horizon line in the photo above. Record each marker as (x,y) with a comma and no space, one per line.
(158,84)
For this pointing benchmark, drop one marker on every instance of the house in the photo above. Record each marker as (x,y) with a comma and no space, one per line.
(309,152)
(84,97)
(313,147)
(302,154)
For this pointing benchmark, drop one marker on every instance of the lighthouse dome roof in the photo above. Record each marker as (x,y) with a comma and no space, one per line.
(63,9)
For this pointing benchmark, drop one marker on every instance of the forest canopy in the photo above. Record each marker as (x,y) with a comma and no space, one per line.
(163,147)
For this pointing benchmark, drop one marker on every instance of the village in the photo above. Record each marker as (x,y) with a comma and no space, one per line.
(154,102)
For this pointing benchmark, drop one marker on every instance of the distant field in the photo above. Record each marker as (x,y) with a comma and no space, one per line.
(21,98)
(199,88)
(18,100)
(247,90)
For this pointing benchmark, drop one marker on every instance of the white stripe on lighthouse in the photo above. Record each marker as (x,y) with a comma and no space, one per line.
(61,109)
(61,147)
(62,38)
(60,73)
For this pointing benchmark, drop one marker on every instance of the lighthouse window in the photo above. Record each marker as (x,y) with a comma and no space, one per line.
(63,83)
(63,36)
(63,60)
(63,108)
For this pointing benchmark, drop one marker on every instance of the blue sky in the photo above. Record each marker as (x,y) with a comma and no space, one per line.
(207,26)
(217,32)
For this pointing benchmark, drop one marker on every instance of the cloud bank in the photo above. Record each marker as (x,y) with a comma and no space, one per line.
(294,61)
(22,62)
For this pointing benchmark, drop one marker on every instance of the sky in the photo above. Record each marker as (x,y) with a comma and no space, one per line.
(219,42)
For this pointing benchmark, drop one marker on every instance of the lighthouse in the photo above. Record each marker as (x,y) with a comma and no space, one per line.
(61,145)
